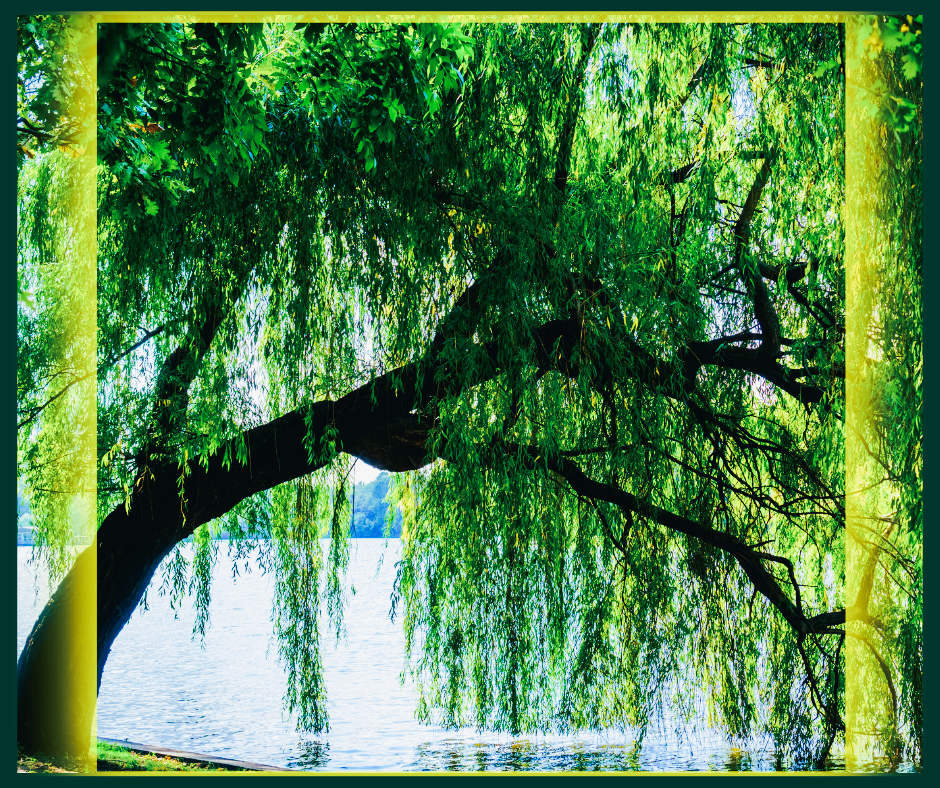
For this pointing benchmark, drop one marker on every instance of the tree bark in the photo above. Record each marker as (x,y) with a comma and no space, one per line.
(55,697)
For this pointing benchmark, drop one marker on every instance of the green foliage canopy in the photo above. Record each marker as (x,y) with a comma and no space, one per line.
(604,262)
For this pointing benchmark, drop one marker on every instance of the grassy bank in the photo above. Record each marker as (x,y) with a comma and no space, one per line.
(111,758)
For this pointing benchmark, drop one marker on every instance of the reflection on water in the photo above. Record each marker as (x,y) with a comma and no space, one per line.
(160,688)
(469,755)
(524,755)
(542,754)
(581,756)
(310,755)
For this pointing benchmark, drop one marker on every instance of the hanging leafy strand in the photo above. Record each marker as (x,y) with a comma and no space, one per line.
(758,471)
(297,595)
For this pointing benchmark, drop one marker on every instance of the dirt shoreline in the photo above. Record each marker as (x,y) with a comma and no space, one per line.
(124,756)
(185,756)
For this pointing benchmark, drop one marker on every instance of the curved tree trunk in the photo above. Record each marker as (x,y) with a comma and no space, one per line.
(55,694)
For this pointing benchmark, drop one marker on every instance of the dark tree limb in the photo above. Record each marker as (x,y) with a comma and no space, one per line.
(748,558)
(571,113)
(756,63)
(179,370)
(677,381)
(794,272)
(754,283)
(700,75)
(682,174)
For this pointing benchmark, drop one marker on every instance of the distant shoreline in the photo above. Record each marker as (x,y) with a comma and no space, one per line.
(368,517)
(78,541)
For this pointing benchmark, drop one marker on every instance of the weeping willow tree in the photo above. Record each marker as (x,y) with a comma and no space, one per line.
(580,286)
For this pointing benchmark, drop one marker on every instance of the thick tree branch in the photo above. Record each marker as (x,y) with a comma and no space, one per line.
(675,381)
(43,136)
(794,272)
(754,283)
(39,135)
(721,354)
(824,621)
(571,113)
(682,174)
(700,75)
(836,618)
(748,558)
(181,367)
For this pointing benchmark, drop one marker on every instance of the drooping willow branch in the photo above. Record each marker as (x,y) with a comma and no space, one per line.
(34,412)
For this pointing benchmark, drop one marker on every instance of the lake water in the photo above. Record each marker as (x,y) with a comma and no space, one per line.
(160,688)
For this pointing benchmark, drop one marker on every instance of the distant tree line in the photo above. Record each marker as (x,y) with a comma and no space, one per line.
(370,509)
